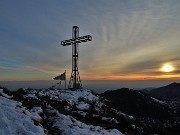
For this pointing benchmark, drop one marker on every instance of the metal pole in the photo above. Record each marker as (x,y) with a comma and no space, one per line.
(75,56)
(65,79)
(75,61)
(60,84)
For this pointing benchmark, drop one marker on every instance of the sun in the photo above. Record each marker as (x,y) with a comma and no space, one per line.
(167,68)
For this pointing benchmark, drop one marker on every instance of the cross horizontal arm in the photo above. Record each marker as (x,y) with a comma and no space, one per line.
(77,40)
(83,39)
(67,42)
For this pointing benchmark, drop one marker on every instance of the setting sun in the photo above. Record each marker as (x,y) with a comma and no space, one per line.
(167,68)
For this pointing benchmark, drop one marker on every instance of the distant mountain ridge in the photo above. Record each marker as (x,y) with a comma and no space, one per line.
(137,103)
(170,91)
(159,116)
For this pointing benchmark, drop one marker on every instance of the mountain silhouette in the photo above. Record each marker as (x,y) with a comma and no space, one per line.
(137,103)
(170,91)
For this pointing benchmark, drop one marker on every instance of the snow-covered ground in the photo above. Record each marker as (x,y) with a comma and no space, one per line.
(71,96)
(80,98)
(3,94)
(70,126)
(14,121)
(159,101)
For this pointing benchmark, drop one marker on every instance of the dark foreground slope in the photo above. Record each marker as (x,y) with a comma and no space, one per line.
(153,115)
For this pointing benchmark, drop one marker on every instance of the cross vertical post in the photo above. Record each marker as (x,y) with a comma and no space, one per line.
(75,81)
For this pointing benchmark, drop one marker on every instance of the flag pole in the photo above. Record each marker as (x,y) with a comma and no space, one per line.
(65,79)
(60,84)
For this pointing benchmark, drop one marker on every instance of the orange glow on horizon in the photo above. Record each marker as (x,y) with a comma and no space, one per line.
(103,77)
(133,77)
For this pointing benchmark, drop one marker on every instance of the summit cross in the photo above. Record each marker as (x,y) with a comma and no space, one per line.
(75,81)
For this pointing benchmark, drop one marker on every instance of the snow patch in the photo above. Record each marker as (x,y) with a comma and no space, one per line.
(4,95)
(70,126)
(83,106)
(159,101)
(15,122)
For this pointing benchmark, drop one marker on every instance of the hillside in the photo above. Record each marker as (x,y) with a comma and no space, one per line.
(137,103)
(55,112)
(68,112)
(151,115)
(170,91)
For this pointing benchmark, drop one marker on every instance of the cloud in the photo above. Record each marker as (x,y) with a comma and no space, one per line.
(129,37)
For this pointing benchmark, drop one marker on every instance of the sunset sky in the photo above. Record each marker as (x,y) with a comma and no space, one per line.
(132,39)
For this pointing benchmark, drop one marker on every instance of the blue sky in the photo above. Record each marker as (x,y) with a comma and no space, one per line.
(131,38)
